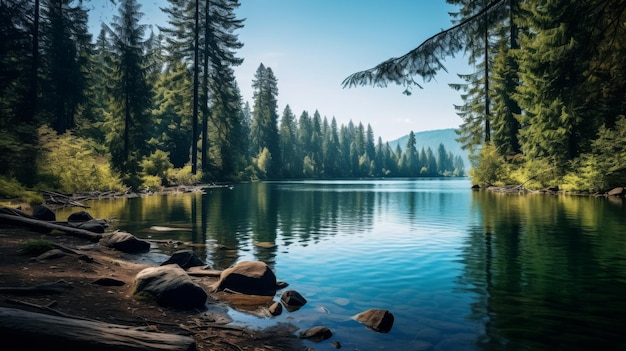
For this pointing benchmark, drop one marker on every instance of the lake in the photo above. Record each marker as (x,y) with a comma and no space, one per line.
(459,269)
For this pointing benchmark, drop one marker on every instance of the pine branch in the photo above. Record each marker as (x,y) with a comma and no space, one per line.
(425,60)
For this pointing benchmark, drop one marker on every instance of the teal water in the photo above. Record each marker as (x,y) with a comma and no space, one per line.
(460,270)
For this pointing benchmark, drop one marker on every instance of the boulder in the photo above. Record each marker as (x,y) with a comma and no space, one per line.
(185,259)
(125,242)
(80,216)
(318,333)
(43,213)
(377,320)
(247,277)
(170,286)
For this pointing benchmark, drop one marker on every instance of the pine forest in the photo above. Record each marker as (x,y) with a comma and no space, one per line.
(128,108)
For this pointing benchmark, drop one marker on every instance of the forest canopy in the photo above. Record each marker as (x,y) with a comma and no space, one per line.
(128,107)
(547,100)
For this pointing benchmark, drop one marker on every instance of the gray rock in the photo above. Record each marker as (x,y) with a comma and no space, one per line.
(80,216)
(170,286)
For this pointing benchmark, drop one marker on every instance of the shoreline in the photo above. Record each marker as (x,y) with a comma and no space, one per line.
(211,328)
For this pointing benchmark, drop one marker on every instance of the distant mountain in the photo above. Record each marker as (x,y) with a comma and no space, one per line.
(432,139)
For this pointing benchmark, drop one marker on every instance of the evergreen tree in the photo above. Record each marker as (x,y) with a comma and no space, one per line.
(172,115)
(264,130)
(506,110)
(288,143)
(444,161)
(305,126)
(410,157)
(211,54)
(130,124)
(331,150)
(345,142)
(555,128)
(19,65)
(66,49)
(315,146)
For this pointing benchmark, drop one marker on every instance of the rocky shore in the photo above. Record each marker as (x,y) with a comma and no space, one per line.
(61,284)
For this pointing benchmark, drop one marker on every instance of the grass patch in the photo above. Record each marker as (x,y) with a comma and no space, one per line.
(35,247)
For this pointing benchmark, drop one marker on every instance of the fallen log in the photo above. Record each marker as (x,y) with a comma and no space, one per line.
(30,330)
(57,287)
(39,225)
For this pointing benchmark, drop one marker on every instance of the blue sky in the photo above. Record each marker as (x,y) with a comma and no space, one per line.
(312,45)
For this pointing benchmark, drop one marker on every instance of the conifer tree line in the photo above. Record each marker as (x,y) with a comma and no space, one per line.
(547,99)
(135,104)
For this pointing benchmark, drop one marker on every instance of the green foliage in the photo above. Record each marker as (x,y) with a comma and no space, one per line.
(183,176)
(70,164)
(151,182)
(603,168)
(489,168)
(35,247)
(535,174)
(12,189)
(262,163)
(155,166)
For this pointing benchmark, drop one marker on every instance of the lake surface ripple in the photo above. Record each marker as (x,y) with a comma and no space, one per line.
(459,269)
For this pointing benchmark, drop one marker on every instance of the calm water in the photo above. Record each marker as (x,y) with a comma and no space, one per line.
(460,270)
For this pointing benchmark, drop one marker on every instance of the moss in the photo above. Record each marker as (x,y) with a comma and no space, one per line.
(35,247)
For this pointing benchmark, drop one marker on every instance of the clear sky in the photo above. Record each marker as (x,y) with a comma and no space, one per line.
(312,45)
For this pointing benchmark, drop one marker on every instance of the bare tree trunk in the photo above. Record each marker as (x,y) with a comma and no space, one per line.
(37,331)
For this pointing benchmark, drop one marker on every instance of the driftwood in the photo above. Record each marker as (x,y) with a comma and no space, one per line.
(62,199)
(37,224)
(29,330)
(57,287)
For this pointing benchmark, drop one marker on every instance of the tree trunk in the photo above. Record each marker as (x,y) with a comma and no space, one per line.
(48,226)
(37,331)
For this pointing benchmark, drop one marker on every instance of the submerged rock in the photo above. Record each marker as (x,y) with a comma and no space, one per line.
(317,334)
(185,259)
(377,320)
(275,309)
(292,300)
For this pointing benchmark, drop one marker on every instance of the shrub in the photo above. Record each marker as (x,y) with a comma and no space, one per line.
(489,167)
(70,164)
(157,164)
(183,176)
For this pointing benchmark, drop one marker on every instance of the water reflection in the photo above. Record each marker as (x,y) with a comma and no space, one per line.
(460,270)
(538,269)
(249,218)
